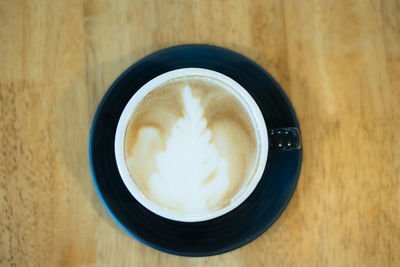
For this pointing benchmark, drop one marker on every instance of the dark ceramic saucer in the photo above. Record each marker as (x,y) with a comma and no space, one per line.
(222,234)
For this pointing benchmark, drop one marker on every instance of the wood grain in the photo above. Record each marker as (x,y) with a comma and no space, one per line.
(338,61)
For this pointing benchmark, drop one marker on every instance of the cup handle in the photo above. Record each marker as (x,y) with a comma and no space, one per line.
(285,139)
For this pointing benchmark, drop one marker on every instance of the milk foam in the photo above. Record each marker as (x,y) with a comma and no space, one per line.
(191,147)
(190,174)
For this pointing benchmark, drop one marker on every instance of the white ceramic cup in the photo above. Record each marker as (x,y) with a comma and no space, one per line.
(237,90)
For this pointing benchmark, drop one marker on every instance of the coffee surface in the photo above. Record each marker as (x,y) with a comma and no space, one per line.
(191,146)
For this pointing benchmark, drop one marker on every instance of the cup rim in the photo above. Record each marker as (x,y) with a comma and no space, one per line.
(129,109)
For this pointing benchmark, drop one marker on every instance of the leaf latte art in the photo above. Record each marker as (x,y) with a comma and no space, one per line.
(190,146)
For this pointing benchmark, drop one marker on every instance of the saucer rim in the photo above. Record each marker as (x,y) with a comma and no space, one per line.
(102,198)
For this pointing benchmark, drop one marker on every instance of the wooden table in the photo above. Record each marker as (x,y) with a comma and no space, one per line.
(338,61)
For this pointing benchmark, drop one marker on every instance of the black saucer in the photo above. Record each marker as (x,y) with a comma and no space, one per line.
(225,233)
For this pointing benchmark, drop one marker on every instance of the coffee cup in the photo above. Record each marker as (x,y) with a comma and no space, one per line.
(192,144)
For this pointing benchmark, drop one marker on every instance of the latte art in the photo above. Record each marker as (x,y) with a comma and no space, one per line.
(190,146)
(189,173)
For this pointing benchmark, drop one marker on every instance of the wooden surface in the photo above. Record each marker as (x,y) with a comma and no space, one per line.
(338,61)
